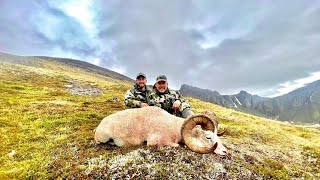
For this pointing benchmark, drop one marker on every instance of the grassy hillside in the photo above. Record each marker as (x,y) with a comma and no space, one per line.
(47,132)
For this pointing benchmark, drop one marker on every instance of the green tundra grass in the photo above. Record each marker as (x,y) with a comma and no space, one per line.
(47,133)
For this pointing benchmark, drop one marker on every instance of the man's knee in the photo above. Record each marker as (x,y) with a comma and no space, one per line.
(187,112)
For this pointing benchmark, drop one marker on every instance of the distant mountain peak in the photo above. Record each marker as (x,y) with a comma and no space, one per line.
(242,92)
(307,89)
(314,84)
(188,87)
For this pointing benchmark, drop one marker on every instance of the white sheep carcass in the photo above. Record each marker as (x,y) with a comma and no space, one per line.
(153,125)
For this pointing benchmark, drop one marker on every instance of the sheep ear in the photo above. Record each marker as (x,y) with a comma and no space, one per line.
(197,130)
(221,133)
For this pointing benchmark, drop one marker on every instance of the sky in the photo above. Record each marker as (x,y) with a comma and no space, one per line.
(264,47)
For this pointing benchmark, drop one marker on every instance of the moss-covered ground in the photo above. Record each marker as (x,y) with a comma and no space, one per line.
(47,133)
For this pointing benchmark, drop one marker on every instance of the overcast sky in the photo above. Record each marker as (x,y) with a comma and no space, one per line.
(266,47)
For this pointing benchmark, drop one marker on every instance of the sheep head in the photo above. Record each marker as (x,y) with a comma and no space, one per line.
(220,150)
(200,134)
(197,133)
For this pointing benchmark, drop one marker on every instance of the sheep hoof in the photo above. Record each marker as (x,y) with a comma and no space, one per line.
(174,145)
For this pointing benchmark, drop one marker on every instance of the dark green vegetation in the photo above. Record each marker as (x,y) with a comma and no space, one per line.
(47,132)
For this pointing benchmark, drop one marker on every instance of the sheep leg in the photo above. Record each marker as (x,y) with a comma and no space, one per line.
(101,137)
(119,142)
(153,140)
(174,145)
(166,142)
(159,140)
(135,141)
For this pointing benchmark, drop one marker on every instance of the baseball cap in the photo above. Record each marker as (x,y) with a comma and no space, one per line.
(141,74)
(161,78)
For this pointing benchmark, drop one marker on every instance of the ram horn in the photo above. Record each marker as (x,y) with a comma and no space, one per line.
(191,141)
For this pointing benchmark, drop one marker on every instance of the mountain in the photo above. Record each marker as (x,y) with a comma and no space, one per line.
(301,105)
(243,100)
(49,110)
(44,62)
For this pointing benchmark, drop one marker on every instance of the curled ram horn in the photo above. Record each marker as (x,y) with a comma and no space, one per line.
(213,116)
(190,135)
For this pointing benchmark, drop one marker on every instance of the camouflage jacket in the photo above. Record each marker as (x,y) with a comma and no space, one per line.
(165,101)
(134,96)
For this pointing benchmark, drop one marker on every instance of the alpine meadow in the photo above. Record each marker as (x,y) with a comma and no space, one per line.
(50,107)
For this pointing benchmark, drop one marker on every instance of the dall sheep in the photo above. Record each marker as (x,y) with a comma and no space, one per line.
(133,127)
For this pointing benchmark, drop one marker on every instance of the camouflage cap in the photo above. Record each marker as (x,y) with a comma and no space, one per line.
(161,78)
(141,74)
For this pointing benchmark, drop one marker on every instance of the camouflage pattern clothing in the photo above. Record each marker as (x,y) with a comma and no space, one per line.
(135,96)
(165,101)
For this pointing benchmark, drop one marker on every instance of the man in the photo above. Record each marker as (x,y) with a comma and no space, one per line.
(137,96)
(169,100)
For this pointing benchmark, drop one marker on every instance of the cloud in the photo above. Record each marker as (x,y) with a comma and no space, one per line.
(298,83)
(15,30)
(281,48)
(258,46)
(51,28)
(249,45)
(150,37)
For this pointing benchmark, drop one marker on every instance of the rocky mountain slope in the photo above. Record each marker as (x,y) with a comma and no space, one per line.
(47,130)
(301,105)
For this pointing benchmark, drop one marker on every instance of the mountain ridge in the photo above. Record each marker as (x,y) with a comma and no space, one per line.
(39,61)
(300,105)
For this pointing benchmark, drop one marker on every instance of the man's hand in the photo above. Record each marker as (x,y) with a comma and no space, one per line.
(144,105)
(176,105)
